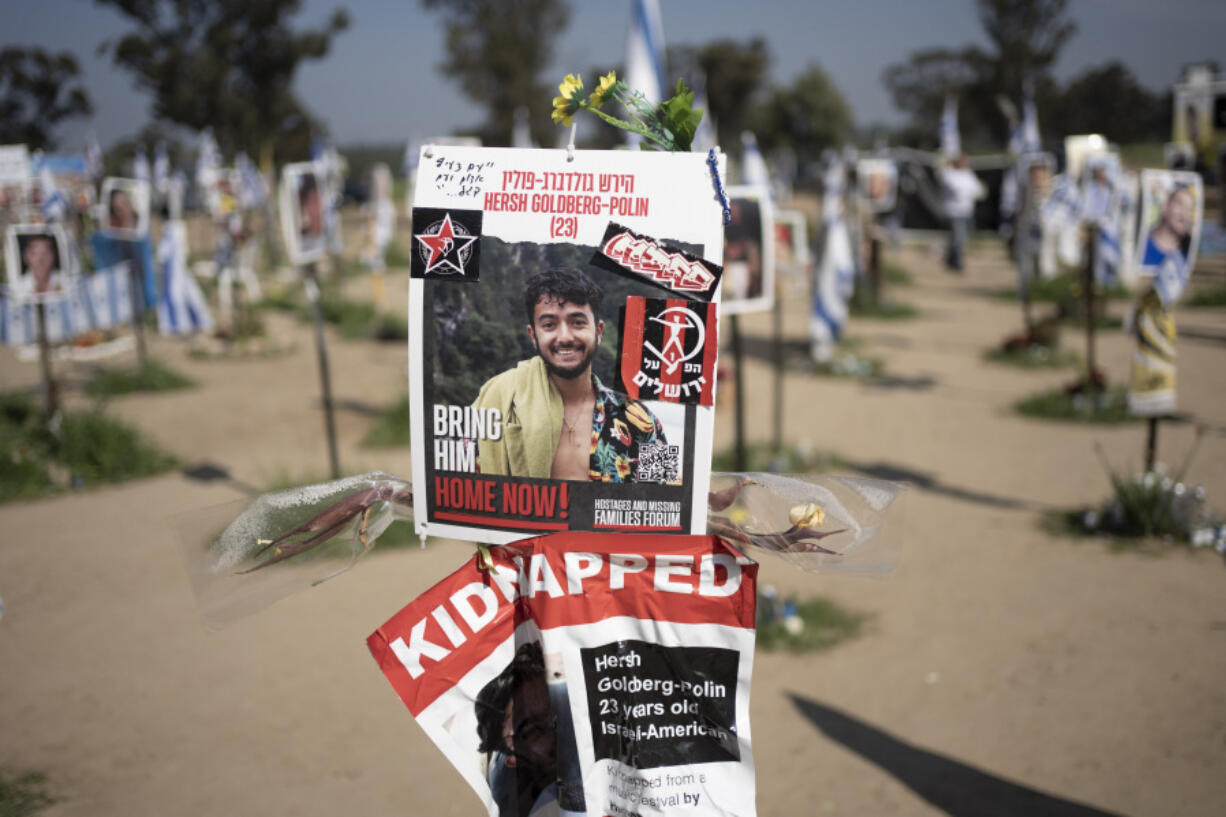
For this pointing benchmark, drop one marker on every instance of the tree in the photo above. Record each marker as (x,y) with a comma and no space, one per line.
(497,50)
(1110,101)
(225,64)
(734,74)
(807,116)
(1026,35)
(37,91)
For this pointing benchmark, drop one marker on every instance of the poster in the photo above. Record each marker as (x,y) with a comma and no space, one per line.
(791,242)
(124,209)
(878,183)
(749,252)
(531,410)
(302,212)
(588,674)
(36,260)
(1172,207)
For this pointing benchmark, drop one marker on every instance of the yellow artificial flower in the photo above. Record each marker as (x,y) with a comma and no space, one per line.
(603,90)
(564,106)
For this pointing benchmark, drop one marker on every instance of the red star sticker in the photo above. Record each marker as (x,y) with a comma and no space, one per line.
(445,245)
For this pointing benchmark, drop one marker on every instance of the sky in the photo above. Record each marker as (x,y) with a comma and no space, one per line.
(380,83)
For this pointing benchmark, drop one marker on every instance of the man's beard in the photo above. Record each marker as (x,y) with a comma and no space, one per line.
(572,372)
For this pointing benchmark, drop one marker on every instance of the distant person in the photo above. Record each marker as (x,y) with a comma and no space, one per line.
(962,190)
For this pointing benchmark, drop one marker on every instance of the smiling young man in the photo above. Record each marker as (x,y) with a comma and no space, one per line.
(558,420)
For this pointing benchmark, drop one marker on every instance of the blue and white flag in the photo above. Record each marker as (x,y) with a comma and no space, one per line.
(208,160)
(109,297)
(18,321)
(1031,143)
(93,158)
(645,55)
(181,307)
(705,138)
(54,204)
(836,278)
(140,167)
(161,168)
(951,141)
(521,130)
(753,166)
(645,51)
(252,191)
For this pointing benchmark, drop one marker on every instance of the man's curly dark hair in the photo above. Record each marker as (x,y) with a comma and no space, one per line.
(562,284)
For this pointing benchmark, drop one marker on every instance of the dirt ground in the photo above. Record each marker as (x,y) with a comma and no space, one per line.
(1006,670)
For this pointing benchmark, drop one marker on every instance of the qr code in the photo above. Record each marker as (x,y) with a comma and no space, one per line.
(659,462)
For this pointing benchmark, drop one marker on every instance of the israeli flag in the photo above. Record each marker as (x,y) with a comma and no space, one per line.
(161,168)
(140,167)
(521,131)
(705,138)
(252,191)
(951,141)
(1030,123)
(645,51)
(54,203)
(208,160)
(18,322)
(108,296)
(753,166)
(181,309)
(836,276)
(93,157)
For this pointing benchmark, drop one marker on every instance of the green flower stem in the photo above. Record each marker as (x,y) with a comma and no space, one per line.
(639,128)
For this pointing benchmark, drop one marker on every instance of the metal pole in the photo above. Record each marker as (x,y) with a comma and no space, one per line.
(738,361)
(325,379)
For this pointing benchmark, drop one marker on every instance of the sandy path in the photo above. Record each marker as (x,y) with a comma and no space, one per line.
(1006,671)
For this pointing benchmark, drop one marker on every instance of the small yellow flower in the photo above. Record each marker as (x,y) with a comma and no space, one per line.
(564,106)
(603,90)
(570,84)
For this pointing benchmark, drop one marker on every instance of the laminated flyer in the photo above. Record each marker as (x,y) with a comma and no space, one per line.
(563,336)
(584,673)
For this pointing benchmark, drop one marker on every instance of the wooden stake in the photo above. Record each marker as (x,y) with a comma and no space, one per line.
(1091,255)
(325,379)
(51,399)
(1151,444)
(738,361)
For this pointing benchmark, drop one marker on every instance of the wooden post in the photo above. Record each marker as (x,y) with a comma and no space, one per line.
(1088,282)
(777,362)
(325,379)
(51,399)
(1151,444)
(874,266)
(738,361)
(136,288)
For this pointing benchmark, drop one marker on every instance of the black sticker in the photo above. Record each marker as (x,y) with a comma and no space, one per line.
(625,252)
(652,706)
(446,244)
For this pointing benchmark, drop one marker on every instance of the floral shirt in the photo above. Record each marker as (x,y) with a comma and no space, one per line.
(621,428)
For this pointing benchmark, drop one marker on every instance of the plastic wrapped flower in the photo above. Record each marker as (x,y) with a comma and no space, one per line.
(603,91)
(564,106)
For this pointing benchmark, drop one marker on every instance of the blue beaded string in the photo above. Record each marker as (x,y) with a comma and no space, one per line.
(719,185)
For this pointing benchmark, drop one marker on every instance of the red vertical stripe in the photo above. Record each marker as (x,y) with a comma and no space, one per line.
(632,344)
(709,355)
